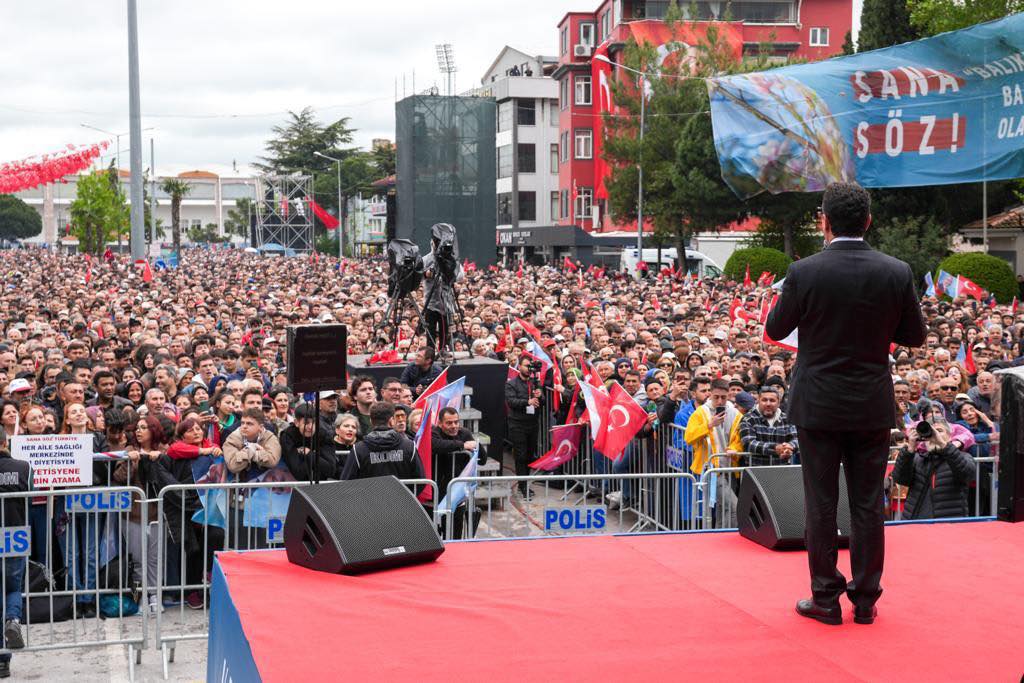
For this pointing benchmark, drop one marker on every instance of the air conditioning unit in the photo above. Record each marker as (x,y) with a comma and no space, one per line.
(583,50)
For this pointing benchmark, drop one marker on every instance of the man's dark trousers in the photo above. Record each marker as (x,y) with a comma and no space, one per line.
(865,454)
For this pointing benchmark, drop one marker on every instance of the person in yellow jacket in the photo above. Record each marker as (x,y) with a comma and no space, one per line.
(714,427)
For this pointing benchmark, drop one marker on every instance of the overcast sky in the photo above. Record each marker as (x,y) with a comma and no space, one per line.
(218,74)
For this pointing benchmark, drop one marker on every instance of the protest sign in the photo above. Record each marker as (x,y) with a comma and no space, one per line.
(56,459)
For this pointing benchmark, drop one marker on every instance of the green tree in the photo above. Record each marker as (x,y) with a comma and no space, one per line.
(804,239)
(207,234)
(848,47)
(918,240)
(384,160)
(884,23)
(937,16)
(293,145)
(237,221)
(98,213)
(161,232)
(759,259)
(991,272)
(18,220)
(176,189)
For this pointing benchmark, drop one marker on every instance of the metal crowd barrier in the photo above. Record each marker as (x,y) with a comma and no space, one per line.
(79,565)
(185,547)
(571,505)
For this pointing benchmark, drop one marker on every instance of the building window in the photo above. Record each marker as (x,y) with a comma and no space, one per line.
(582,90)
(616,13)
(584,143)
(527,158)
(554,205)
(563,94)
(565,40)
(526,112)
(754,12)
(819,37)
(564,205)
(505,208)
(553,113)
(606,27)
(504,116)
(554,158)
(584,202)
(565,146)
(527,206)
(587,33)
(505,161)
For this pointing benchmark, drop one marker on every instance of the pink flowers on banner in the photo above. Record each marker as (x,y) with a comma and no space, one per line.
(16,176)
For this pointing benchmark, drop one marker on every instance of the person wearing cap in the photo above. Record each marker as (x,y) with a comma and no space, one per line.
(19,390)
(767,435)
(328,399)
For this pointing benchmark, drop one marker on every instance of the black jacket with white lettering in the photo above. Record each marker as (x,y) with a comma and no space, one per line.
(15,476)
(381,453)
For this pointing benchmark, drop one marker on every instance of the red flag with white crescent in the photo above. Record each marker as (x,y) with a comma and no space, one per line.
(625,419)
(565,445)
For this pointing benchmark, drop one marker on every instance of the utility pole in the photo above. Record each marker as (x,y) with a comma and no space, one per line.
(138,235)
(152,195)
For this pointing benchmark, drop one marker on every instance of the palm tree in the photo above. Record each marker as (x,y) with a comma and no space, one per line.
(176,189)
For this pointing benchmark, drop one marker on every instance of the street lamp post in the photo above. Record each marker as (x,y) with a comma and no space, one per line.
(340,225)
(640,161)
(138,231)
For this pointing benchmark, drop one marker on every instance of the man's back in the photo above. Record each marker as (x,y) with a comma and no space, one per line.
(849,302)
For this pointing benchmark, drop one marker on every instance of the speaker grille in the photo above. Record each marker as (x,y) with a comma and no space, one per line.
(373,518)
(783,490)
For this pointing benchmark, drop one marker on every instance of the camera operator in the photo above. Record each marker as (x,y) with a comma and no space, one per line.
(441,271)
(523,397)
(939,477)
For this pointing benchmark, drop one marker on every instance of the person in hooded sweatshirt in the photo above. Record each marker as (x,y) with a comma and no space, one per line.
(383,451)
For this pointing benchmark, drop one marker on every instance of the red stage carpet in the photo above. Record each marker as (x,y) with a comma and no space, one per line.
(666,607)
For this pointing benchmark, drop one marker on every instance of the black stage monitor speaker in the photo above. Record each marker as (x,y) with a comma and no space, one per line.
(770,510)
(350,527)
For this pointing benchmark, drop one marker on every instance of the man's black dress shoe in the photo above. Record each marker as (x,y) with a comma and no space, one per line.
(865,615)
(833,616)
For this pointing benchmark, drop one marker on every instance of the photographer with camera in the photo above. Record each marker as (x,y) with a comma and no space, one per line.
(939,477)
(524,397)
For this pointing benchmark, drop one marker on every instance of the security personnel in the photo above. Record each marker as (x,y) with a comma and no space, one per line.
(383,451)
(15,476)
(523,397)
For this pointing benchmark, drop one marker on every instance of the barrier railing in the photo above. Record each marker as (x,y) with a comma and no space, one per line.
(570,505)
(194,522)
(68,569)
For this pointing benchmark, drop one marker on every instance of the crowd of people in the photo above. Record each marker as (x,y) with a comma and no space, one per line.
(190,364)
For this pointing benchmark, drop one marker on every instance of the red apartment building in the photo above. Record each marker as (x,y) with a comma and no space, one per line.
(810,29)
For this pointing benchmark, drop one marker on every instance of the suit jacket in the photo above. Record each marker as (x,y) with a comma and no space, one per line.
(850,302)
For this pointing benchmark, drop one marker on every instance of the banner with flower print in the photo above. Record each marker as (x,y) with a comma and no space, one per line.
(945,109)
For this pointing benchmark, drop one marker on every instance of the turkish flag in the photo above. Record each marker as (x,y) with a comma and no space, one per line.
(746,278)
(435,386)
(565,445)
(519,273)
(969,365)
(970,288)
(1014,309)
(530,329)
(789,342)
(568,265)
(88,269)
(147,272)
(625,419)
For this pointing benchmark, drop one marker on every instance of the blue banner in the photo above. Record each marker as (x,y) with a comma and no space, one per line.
(946,109)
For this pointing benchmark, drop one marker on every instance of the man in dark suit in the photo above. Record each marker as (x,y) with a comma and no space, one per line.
(849,303)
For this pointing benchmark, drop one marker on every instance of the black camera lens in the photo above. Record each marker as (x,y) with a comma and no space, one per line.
(924,429)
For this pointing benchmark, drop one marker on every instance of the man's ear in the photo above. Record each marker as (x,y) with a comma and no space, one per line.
(868,226)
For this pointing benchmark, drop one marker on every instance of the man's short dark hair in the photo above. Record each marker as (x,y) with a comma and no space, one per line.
(447,410)
(254,414)
(388,381)
(633,373)
(847,207)
(358,381)
(251,392)
(381,413)
(719,384)
(429,354)
(102,374)
(697,381)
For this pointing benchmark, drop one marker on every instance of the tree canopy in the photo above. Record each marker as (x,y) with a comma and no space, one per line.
(98,212)
(18,220)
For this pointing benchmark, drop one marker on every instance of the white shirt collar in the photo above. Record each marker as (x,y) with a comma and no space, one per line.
(846,239)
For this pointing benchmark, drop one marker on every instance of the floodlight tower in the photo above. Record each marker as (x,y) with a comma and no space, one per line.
(446,63)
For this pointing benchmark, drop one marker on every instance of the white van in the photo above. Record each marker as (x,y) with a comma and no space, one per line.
(696,262)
